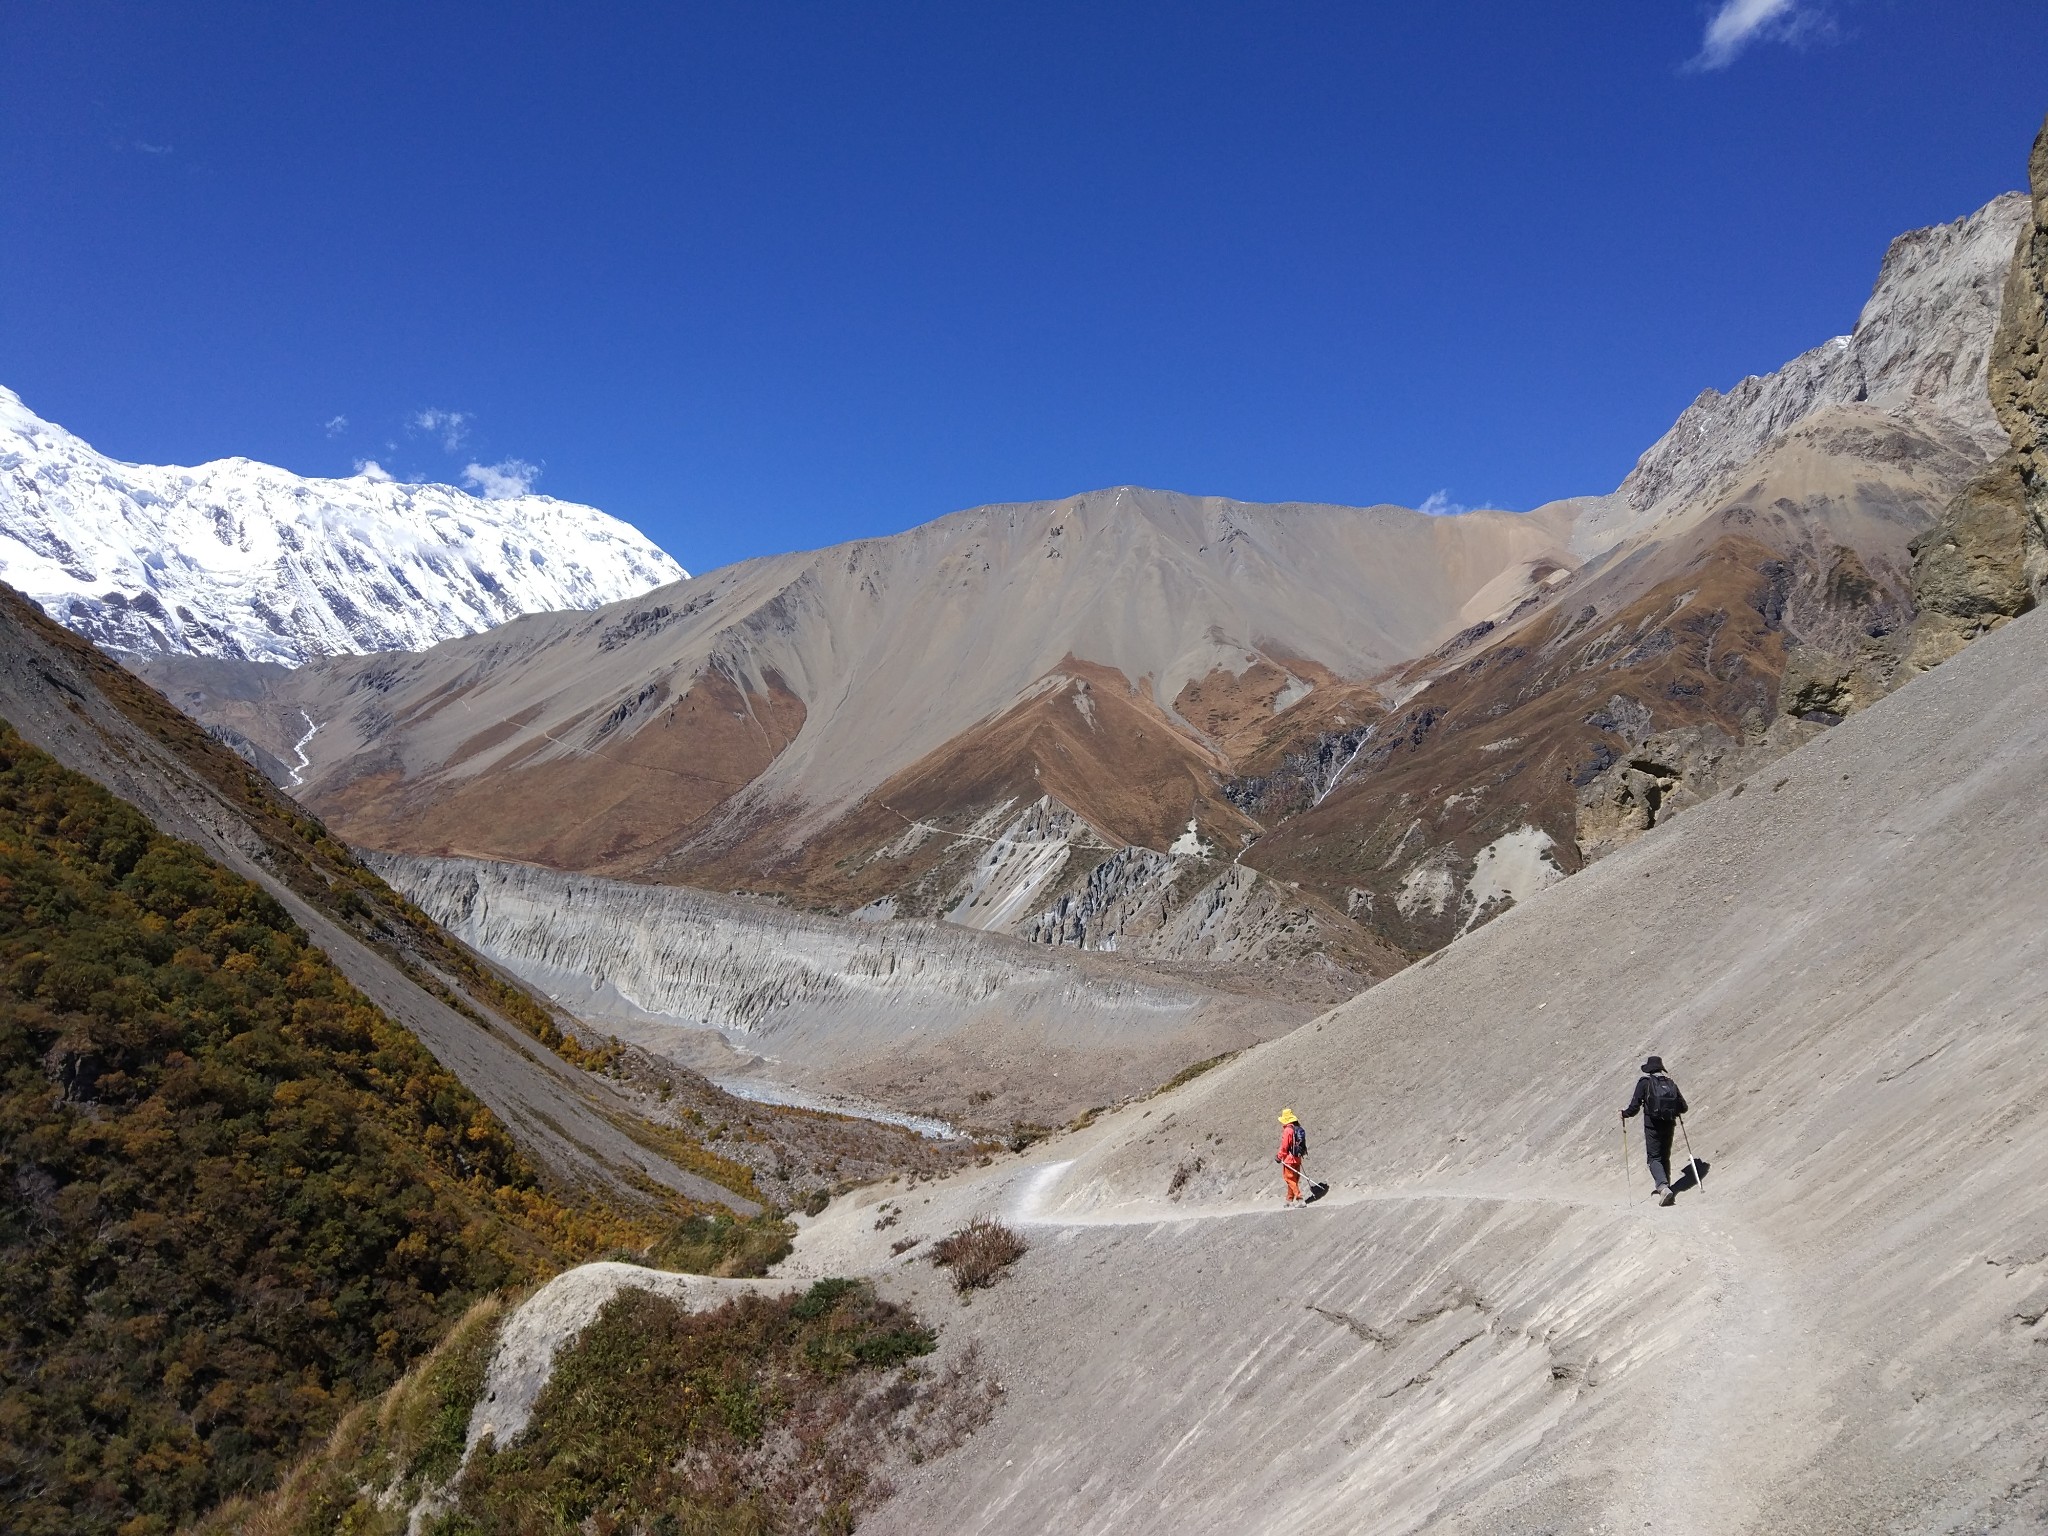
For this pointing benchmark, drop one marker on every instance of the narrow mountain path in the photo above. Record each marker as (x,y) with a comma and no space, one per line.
(1736,1392)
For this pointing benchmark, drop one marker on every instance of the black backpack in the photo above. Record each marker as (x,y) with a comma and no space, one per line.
(1297,1140)
(1660,1099)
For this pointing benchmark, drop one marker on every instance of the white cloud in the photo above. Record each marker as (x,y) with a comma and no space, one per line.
(336,425)
(153,149)
(1438,503)
(451,426)
(370,469)
(512,477)
(1738,23)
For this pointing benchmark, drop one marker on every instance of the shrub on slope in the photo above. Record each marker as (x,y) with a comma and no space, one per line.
(978,1254)
(238,1197)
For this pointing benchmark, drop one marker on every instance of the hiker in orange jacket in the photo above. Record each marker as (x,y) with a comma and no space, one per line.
(1293,1148)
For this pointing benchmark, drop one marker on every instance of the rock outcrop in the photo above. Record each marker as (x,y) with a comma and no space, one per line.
(1181,907)
(1987,560)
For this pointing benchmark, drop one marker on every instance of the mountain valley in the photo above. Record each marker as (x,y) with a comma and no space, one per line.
(504,1035)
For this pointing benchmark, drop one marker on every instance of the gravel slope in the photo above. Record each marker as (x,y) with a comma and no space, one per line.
(1484,1327)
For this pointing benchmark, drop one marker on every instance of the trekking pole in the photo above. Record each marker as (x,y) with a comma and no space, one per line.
(1697,1181)
(1630,1188)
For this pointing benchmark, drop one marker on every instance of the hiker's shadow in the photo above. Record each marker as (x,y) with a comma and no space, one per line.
(1686,1180)
(1315,1191)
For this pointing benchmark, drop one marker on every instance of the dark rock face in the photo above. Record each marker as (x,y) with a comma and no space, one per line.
(1987,560)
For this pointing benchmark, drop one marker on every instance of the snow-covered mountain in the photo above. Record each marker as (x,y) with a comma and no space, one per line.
(241,559)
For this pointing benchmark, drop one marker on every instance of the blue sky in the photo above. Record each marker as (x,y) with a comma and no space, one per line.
(760,277)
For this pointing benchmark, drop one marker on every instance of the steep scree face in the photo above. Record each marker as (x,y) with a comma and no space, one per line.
(1485,1325)
(243,560)
(859,666)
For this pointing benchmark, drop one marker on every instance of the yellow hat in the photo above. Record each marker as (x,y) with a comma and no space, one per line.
(1287,1117)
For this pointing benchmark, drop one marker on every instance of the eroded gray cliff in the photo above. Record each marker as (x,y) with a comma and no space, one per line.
(920,1015)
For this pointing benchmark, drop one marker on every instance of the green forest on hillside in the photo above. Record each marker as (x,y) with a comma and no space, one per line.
(237,1198)
(306,856)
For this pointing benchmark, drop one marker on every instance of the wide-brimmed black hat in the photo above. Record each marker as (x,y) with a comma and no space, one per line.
(1654,1064)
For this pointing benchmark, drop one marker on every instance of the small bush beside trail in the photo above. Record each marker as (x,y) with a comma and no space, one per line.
(978,1253)
(1189,1073)
(721,1244)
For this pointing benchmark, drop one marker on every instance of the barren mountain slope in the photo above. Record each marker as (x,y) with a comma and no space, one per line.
(63,696)
(1483,1326)
(807,680)
(1309,740)
(1655,679)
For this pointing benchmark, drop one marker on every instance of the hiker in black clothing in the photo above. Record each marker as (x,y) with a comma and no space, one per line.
(1661,1104)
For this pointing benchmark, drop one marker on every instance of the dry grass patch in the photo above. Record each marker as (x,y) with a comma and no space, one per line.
(978,1253)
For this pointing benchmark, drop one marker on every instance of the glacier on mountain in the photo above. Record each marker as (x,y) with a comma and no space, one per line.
(246,560)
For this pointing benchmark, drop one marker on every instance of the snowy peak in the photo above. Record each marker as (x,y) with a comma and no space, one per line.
(246,560)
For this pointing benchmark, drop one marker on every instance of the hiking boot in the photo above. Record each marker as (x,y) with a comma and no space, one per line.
(1667,1196)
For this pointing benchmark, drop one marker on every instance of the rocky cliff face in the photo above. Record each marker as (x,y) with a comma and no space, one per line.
(1919,350)
(1987,560)
(918,1014)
